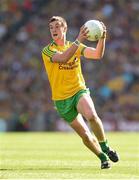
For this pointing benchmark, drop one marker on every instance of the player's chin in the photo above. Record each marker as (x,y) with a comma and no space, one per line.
(55,37)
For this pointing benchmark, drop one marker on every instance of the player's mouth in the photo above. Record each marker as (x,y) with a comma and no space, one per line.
(55,35)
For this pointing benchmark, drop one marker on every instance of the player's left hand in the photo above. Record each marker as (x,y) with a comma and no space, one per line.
(104,30)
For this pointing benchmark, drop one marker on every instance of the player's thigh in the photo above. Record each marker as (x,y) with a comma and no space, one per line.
(80,127)
(86,107)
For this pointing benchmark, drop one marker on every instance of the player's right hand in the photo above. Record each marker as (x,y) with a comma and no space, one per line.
(83,34)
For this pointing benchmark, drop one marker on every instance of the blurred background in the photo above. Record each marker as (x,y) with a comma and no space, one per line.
(25,96)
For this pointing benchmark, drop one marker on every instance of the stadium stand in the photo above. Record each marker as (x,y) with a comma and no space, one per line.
(25,102)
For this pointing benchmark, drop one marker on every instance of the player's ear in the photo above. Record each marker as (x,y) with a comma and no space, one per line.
(65,29)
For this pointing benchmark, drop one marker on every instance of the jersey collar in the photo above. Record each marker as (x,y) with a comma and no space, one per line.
(54,43)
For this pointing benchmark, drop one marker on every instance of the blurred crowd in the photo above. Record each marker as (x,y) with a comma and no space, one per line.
(25,96)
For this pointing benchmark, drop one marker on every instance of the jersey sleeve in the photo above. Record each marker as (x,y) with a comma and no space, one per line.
(82,48)
(48,52)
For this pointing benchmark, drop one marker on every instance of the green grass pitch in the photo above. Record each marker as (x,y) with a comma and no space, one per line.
(63,156)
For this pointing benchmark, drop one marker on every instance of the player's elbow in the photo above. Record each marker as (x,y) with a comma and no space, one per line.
(99,56)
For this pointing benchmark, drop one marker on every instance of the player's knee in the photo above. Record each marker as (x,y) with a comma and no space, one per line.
(93,117)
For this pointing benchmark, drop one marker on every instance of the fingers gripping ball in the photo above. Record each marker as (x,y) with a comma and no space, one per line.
(95,28)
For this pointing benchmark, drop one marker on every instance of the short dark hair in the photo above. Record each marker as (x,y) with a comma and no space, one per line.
(58,18)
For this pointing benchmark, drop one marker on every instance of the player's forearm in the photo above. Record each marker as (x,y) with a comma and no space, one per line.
(100,48)
(69,52)
(66,55)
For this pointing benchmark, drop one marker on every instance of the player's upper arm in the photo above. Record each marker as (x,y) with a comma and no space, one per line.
(48,52)
(90,53)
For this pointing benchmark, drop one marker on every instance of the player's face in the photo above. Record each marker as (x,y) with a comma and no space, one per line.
(57,30)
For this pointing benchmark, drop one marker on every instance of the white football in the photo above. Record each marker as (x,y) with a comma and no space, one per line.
(95,30)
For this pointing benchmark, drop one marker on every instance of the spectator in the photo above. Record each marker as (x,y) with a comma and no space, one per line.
(24,85)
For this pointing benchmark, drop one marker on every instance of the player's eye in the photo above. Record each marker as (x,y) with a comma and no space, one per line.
(57,26)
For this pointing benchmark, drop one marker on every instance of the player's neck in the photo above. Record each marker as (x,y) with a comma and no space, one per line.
(61,42)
